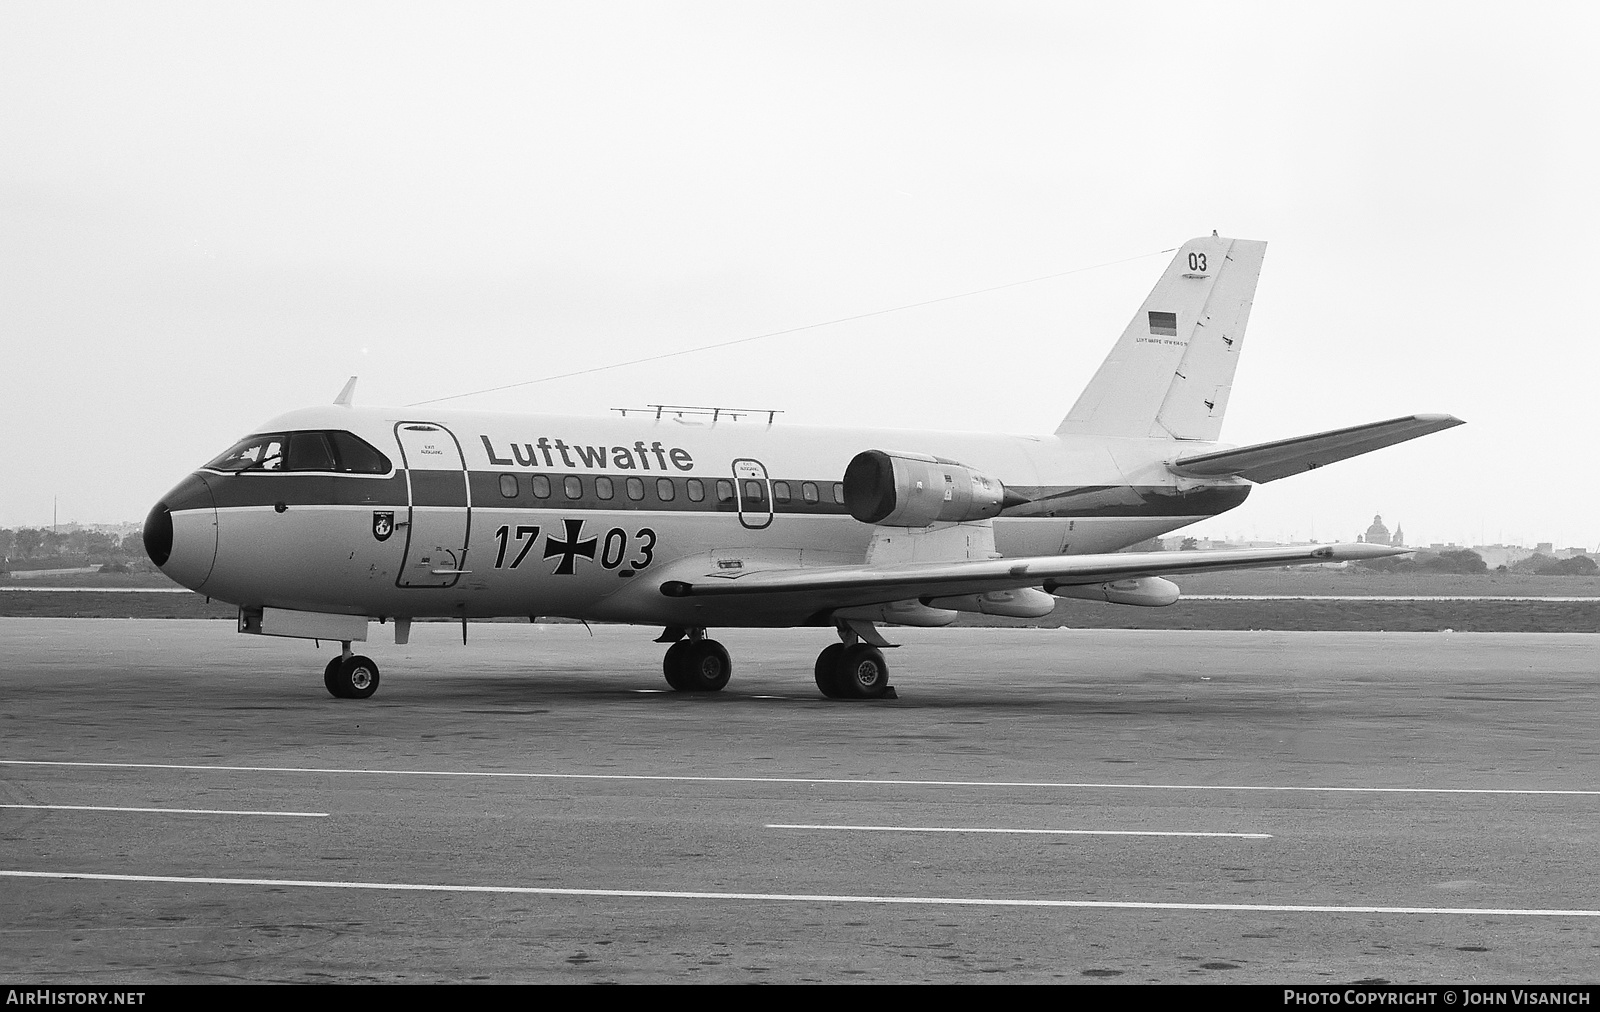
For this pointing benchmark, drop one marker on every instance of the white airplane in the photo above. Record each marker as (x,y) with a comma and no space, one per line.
(691,519)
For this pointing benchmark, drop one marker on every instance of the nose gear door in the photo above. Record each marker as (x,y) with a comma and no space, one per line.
(440,514)
(753,493)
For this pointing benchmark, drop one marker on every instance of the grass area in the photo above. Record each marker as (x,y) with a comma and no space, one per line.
(1391,616)
(1317,581)
(112,605)
(1303,580)
(1395,616)
(1325,616)
(152,580)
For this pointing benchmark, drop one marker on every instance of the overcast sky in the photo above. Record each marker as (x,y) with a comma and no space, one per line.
(213,213)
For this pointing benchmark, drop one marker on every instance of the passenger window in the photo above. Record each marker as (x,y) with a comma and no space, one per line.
(666,491)
(808,491)
(780,491)
(508,486)
(697,489)
(356,456)
(573,486)
(603,488)
(635,488)
(724,490)
(838,492)
(540,485)
(752,491)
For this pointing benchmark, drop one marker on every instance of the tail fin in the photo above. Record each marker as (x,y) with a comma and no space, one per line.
(1170,374)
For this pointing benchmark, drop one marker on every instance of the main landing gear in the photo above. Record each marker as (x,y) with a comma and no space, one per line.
(697,664)
(351,676)
(853,670)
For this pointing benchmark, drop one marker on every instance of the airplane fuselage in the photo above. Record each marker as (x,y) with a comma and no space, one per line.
(483,514)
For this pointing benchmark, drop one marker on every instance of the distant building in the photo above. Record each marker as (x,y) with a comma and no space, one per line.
(1495,556)
(1377,534)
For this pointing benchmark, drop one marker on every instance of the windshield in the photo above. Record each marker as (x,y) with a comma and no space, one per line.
(336,451)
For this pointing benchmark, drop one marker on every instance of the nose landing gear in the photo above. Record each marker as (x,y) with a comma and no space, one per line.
(350,676)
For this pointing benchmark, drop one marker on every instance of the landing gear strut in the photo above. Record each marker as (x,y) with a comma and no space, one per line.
(697,664)
(350,676)
(853,669)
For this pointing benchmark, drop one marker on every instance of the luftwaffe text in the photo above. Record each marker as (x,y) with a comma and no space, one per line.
(573,456)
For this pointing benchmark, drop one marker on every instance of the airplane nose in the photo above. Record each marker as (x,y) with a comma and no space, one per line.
(180,534)
(158,534)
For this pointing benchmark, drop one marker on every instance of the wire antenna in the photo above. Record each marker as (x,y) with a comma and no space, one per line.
(790,330)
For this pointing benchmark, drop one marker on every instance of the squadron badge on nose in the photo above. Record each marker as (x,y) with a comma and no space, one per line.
(382,525)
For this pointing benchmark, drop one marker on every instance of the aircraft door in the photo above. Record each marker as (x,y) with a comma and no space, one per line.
(439,517)
(753,493)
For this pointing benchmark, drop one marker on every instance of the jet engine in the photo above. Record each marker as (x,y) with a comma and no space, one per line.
(916,490)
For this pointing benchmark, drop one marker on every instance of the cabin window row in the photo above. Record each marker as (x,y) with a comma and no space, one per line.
(666,489)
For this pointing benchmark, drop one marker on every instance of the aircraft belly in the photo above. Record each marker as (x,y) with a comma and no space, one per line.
(603,564)
(599,564)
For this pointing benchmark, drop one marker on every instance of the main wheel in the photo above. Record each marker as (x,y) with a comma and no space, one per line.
(863,673)
(330,677)
(674,665)
(355,678)
(827,670)
(706,666)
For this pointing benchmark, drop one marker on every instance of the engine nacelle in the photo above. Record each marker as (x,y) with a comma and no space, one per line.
(916,490)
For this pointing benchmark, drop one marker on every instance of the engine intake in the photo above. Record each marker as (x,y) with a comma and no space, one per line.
(916,490)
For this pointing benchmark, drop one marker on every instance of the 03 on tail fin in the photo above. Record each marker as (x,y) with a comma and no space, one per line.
(1170,373)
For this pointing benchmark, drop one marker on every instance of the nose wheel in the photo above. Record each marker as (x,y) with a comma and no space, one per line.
(351,676)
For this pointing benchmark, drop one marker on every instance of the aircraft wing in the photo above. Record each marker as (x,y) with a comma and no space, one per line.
(1281,458)
(844,586)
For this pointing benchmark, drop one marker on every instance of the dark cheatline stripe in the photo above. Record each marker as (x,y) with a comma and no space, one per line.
(438,488)
(255,488)
(443,488)
(487,494)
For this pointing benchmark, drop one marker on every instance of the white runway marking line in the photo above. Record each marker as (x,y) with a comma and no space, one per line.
(169,811)
(842,781)
(1040,832)
(964,901)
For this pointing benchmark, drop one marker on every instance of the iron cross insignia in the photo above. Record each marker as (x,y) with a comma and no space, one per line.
(570,548)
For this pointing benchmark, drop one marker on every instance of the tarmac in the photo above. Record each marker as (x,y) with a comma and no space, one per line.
(179,803)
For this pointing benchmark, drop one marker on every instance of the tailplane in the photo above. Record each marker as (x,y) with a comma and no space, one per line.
(1170,374)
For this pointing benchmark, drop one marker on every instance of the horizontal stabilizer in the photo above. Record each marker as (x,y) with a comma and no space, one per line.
(1271,461)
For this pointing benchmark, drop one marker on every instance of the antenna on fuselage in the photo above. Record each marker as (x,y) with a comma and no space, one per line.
(347,396)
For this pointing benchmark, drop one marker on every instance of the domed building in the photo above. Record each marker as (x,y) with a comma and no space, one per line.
(1377,534)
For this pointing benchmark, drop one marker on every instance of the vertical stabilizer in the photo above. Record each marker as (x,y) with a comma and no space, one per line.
(1170,374)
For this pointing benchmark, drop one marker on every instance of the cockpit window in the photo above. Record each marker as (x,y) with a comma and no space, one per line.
(263,453)
(308,451)
(357,456)
(303,451)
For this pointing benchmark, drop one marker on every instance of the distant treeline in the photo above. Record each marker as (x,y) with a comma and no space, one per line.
(41,547)
(1466,561)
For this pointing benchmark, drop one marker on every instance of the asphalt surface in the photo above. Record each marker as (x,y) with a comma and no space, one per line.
(1037,805)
